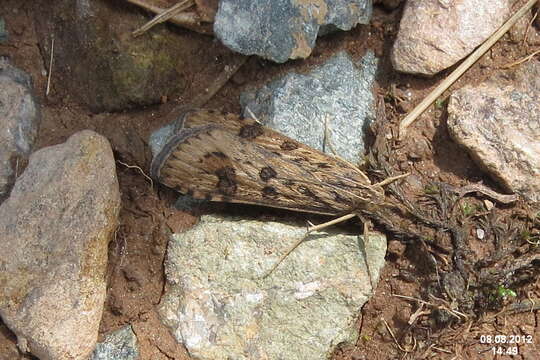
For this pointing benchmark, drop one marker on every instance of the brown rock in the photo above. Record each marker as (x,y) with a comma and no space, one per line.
(55,229)
(99,64)
(435,34)
(499,124)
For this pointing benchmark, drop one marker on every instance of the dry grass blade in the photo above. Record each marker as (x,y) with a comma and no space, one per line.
(140,170)
(50,67)
(460,70)
(187,19)
(524,42)
(522,60)
(394,337)
(163,16)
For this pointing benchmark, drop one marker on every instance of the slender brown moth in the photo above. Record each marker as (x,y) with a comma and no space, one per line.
(223,157)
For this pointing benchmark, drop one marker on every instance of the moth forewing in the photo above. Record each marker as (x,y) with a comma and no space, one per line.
(227,158)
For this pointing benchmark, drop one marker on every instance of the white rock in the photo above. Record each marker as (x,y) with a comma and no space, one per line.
(435,34)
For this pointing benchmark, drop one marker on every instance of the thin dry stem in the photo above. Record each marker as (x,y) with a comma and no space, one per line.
(188,19)
(138,168)
(529,25)
(393,336)
(164,16)
(522,60)
(50,67)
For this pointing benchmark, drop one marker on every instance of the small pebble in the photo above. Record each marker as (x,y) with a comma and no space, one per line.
(480,233)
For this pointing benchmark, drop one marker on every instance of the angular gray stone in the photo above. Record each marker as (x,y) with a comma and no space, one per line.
(498,122)
(19,121)
(119,345)
(327,109)
(435,34)
(219,306)
(55,229)
(283,29)
(159,137)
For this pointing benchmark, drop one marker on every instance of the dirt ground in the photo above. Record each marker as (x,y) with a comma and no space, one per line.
(391,327)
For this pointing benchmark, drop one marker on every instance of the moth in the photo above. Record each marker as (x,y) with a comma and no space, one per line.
(224,157)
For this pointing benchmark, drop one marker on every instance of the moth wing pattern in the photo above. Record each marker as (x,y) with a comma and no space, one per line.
(222,157)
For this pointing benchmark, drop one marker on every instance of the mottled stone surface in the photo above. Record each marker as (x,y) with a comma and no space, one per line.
(435,34)
(219,306)
(327,109)
(119,345)
(498,122)
(19,122)
(284,29)
(55,229)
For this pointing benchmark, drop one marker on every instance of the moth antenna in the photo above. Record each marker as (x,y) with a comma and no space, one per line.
(391,179)
(301,240)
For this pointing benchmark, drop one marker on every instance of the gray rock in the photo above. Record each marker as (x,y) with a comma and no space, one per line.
(3,31)
(435,34)
(19,121)
(159,138)
(219,306)
(55,229)
(327,109)
(119,345)
(283,29)
(498,122)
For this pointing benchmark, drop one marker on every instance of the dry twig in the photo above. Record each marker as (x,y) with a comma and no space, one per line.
(50,67)
(528,28)
(522,60)
(141,171)
(163,16)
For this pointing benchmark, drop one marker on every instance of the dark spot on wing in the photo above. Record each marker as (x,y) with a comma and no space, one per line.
(323,165)
(267,173)
(251,131)
(340,199)
(289,145)
(269,191)
(305,191)
(226,180)
(219,154)
(287,182)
